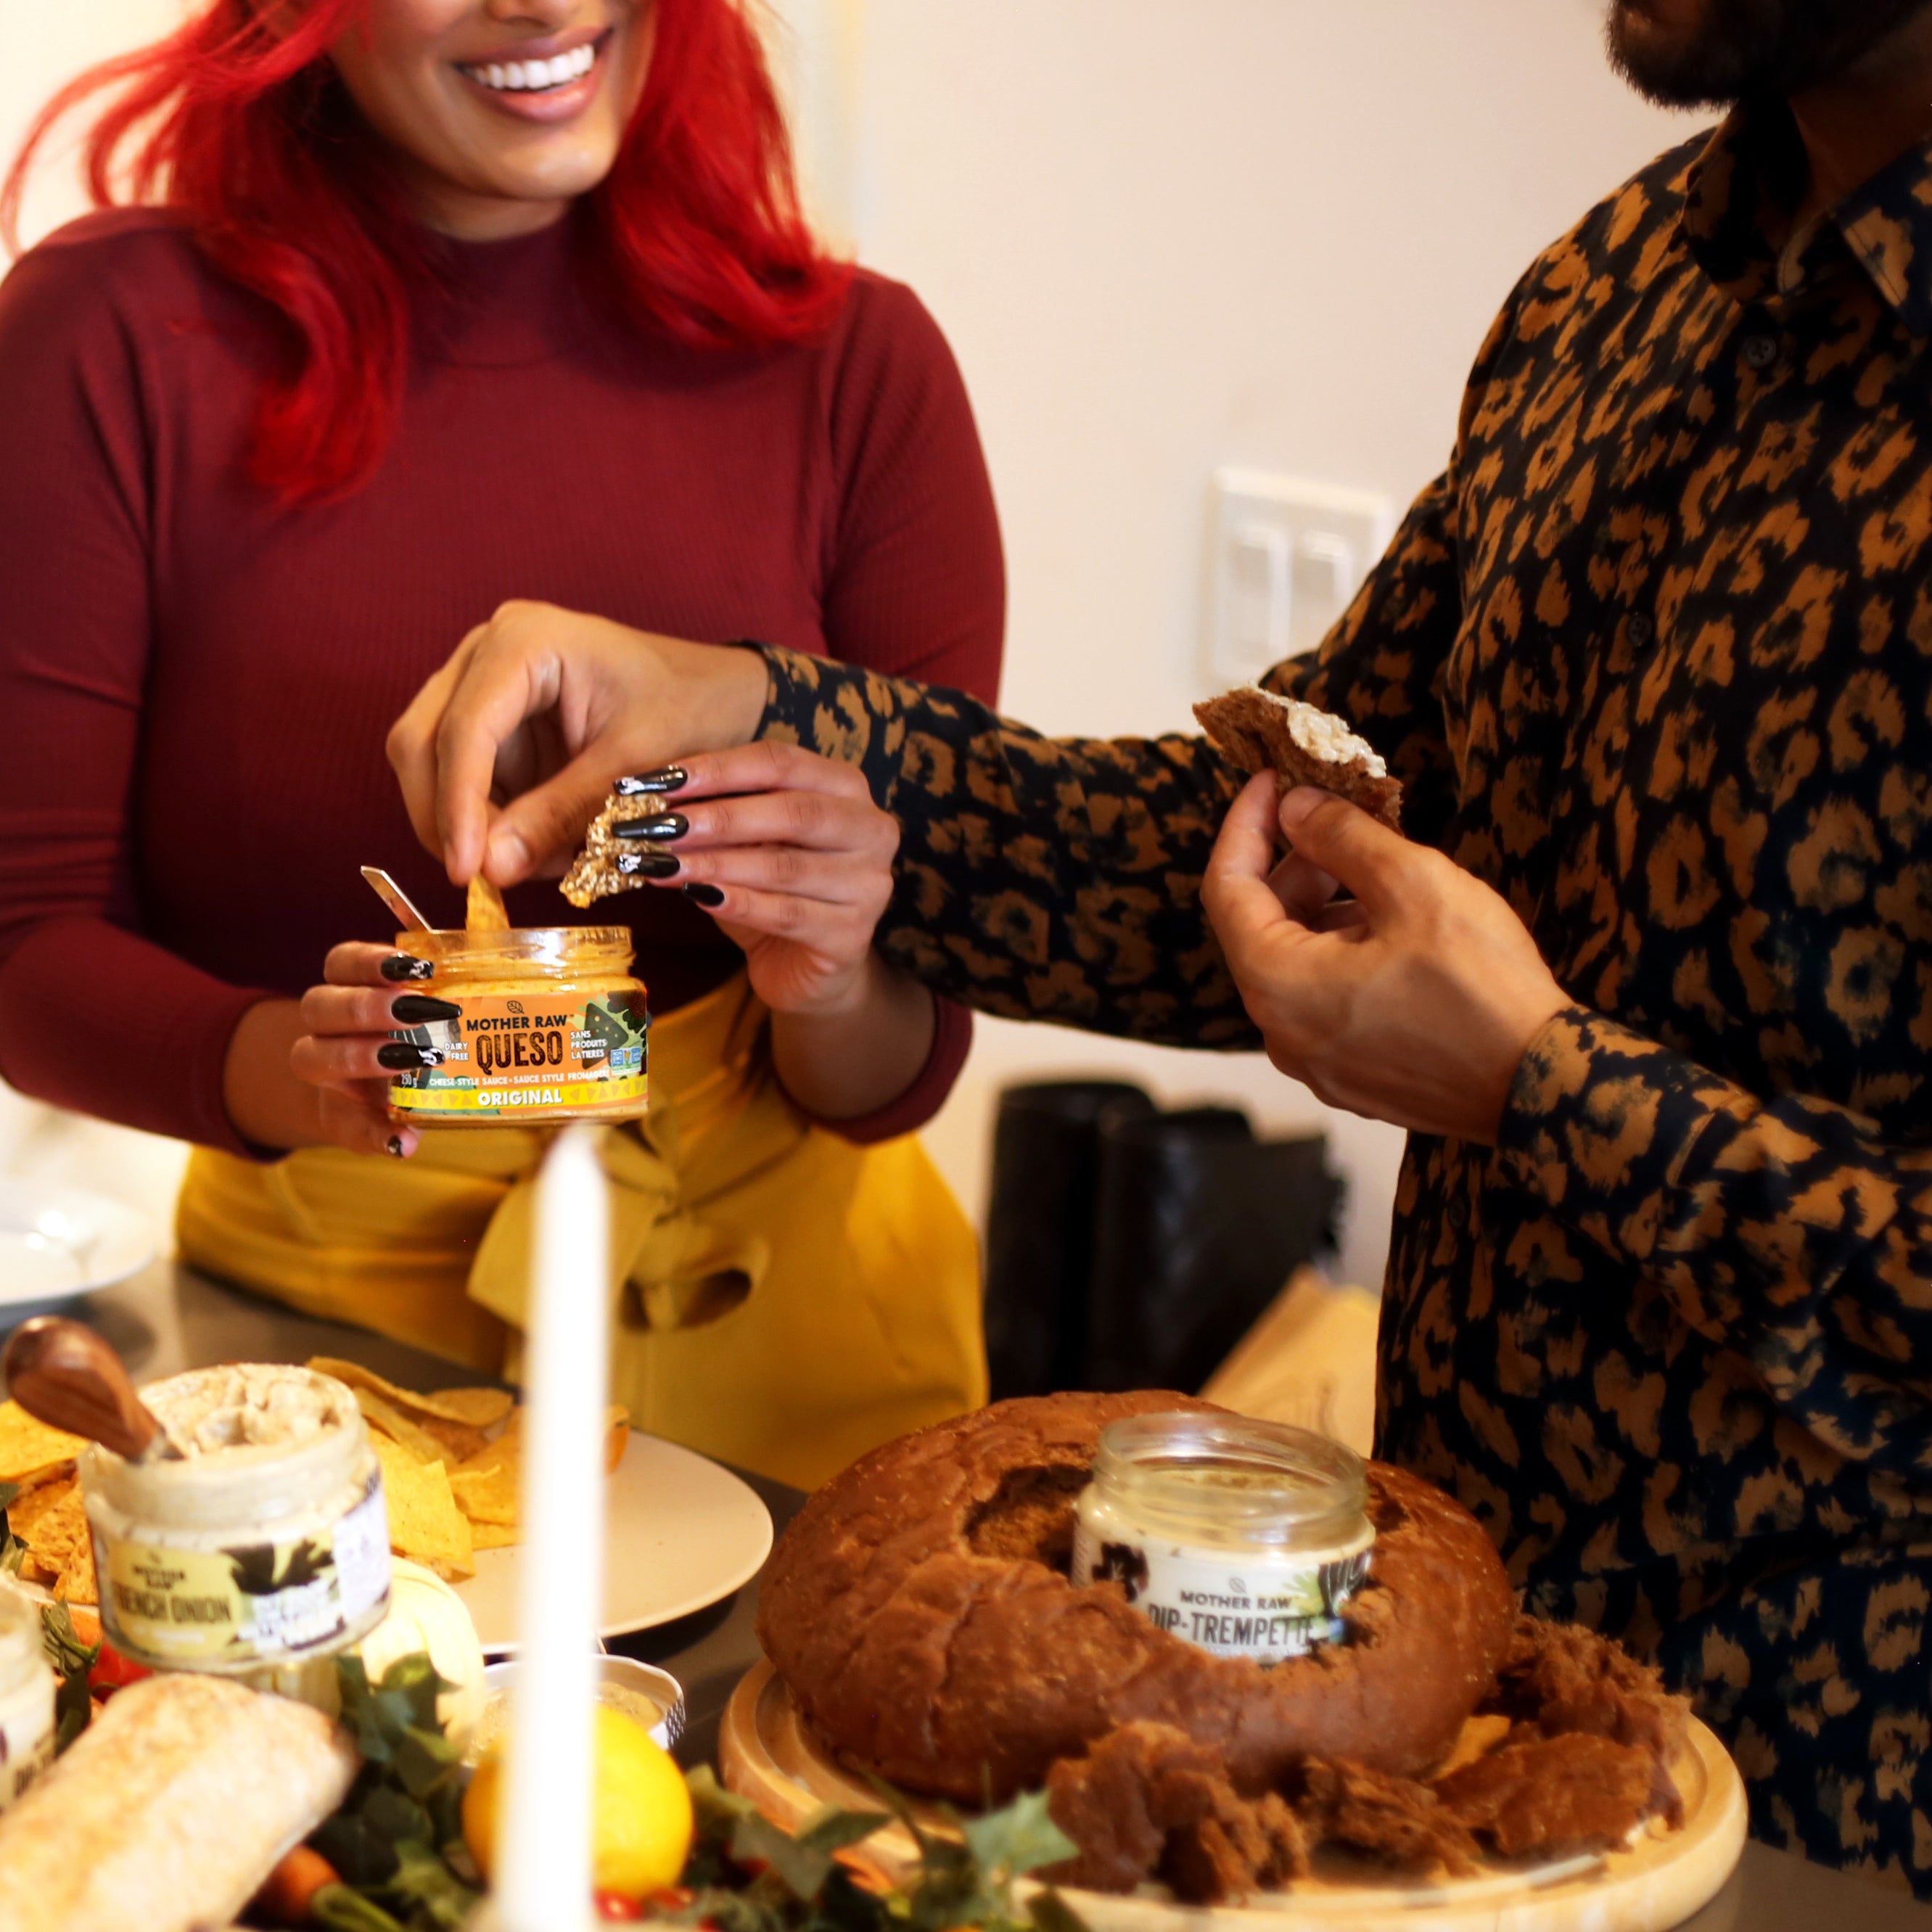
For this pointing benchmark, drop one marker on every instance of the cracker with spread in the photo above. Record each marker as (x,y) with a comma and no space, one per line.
(1259,732)
(593,873)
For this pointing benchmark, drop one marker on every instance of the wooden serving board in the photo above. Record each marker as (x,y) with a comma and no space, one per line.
(767,1755)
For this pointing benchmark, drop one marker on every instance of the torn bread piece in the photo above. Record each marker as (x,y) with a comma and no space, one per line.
(593,873)
(1259,732)
(170,1809)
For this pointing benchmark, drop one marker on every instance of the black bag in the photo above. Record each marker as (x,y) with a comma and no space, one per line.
(1127,1248)
(1040,1228)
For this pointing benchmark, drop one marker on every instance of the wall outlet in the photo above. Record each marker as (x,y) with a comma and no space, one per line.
(1284,557)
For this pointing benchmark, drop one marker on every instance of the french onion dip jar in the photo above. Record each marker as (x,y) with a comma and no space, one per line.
(26,1696)
(1244,1538)
(554,1028)
(266,1546)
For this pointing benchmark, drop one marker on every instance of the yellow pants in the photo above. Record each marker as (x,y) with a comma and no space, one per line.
(779,1298)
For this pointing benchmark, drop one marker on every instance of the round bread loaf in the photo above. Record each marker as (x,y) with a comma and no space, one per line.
(919,1609)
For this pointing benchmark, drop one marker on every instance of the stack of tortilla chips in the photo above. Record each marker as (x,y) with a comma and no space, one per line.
(451,1465)
(45,1514)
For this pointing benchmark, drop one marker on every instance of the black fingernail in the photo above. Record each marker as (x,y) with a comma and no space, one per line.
(394,1145)
(665,825)
(673,778)
(704,896)
(649,865)
(401,1056)
(414,1009)
(401,966)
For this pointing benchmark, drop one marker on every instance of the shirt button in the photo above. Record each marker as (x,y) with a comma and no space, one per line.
(1458,1212)
(1759,351)
(1640,630)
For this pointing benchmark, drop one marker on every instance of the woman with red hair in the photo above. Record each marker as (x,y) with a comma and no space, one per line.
(418,316)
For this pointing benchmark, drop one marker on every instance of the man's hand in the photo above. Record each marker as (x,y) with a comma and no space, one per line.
(542,708)
(1413,1001)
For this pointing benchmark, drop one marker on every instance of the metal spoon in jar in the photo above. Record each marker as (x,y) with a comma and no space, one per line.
(63,1374)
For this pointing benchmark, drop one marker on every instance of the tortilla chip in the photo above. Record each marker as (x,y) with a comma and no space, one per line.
(424,1523)
(477,1408)
(385,1419)
(459,1440)
(52,1522)
(493,1535)
(29,1450)
(483,909)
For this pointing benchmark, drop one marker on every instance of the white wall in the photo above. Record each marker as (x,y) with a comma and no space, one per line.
(1162,238)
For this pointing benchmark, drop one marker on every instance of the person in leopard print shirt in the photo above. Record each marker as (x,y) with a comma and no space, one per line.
(1653,659)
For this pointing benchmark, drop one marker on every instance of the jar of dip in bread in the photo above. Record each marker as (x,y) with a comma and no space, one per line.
(26,1696)
(1245,1538)
(551,1027)
(265,1547)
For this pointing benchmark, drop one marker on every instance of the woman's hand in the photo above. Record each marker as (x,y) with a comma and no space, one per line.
(788,852)
(544,707)
(345,1052)
(316,1072)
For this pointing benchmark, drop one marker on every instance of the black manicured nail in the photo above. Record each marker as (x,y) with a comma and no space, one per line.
(649,865)
(665,825)
(401,966)
(394,1145)
(402,1056)
(672,777)
(706,896)
(415,1008)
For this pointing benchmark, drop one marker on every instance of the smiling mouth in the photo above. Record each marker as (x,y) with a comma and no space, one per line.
(536,76)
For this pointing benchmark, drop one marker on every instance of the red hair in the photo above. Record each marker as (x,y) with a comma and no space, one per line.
(253,138)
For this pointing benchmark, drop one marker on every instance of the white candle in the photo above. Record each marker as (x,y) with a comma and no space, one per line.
(544,1880)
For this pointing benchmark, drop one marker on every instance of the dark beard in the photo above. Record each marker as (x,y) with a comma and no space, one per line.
(1745,49)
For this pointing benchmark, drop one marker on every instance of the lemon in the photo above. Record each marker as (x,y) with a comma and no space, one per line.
(640,1814)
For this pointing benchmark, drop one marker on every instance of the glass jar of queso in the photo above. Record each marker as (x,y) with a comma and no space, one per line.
(553,1027)
(1244,1538)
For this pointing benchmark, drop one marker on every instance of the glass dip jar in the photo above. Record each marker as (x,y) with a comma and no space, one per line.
(1244,1538)
(554,1028)
(26,1696)
(265,1547)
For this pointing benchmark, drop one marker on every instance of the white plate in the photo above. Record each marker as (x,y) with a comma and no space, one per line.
(57,1242)
(680,1532)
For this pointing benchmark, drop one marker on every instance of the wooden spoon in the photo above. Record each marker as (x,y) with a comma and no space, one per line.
(63,1374)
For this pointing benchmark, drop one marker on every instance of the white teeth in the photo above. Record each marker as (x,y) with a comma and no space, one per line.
(536,76)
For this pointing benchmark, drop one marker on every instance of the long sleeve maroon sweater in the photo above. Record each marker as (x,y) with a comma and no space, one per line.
(195,683)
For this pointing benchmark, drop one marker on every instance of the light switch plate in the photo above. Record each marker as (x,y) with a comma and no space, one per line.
(1285,558)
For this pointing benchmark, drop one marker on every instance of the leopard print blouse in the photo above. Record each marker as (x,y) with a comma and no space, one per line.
(1654,657)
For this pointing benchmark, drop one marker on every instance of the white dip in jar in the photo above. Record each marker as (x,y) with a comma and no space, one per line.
(266,1546)
(26,1696)
(1244,1538)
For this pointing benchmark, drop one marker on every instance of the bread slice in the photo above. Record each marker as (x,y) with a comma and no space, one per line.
(169,1809)
(1259,732)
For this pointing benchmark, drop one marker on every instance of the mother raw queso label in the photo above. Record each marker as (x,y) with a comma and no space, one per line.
(502,1055)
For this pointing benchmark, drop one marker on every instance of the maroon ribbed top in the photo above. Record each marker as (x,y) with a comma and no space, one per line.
(195,684)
